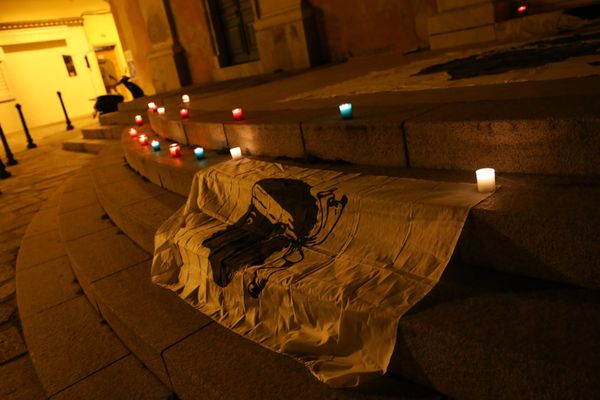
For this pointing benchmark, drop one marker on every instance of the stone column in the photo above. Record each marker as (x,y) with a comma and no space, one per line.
(167,60)
(285,35)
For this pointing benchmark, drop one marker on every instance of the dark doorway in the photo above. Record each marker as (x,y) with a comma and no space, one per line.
(232,21)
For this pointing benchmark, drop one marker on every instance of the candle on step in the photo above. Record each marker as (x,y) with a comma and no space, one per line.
(160,110)
(522,9)
(236,153)
(132,133)
(238,114)
(185,113)
(199,153)
(152,106)
(185,98)
(175,150)
(143,140)
(155,145)
(486,180)
(345,110)
(139,120)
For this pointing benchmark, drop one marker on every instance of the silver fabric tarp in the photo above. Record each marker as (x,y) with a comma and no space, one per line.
(316,264)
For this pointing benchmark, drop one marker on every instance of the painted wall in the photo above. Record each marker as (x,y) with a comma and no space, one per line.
(33,64)
(33,10)
(34,67)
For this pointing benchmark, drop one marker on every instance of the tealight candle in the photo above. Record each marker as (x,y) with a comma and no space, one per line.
(522,9)
(143,139)
(486,180)
(152,106)
(132,133)
(175,150)
(185,98)
(155,145)
(345,110)
(185,113)
(236,153)
(160,110)
(199,153)
(238,114)
(139,120)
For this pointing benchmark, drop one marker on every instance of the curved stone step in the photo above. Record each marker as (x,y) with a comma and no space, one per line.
(538,226)
(74,352)
(478,334)
(115,275)
(536,136)
(83,145)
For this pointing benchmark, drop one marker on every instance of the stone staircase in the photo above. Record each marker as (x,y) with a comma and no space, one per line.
(514,316)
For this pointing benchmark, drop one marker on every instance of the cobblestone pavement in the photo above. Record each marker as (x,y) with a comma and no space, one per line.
(34,180)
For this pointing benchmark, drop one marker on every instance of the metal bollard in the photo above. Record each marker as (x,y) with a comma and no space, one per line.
(10,159)
(3,172)
(69,126)
(30,144)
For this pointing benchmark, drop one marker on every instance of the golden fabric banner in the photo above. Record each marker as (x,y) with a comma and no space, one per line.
(316,264)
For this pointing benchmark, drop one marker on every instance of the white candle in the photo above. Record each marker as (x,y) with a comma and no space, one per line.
(185,98)
(486,179)
(152,105)
(161,110)
(236,153)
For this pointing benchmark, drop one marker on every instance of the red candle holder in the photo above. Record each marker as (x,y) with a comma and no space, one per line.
(238,114)
(185,113)
(152,106)
(143,139)
(522,10)
(175,150)
(132,133)
(139,120)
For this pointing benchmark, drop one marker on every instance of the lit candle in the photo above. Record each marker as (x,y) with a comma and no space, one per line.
(139,120)
(185,98)
(155,145)
(152,106)
(522,9)
(236,153)
(486,179)
(160,110)
(143,140)
(238,114)
(199,153)
(132,133)
(175,150)
(345,110)
(185,113)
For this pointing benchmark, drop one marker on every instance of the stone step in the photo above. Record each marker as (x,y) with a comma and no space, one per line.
(115,275)
(479,333)
(74,352)
(120,118)
(534,225)
(102,132)
(92,146)
(556,136)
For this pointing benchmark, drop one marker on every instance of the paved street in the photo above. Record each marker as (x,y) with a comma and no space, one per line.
(35,180)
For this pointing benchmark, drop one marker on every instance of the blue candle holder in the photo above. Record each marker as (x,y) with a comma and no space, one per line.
(345,110)
(199,153)
(155,145)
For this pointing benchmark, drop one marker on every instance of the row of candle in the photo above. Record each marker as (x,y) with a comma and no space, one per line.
(237,113)
(175,149)
(486,180)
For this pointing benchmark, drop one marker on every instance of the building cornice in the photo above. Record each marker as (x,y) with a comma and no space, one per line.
(4,26)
